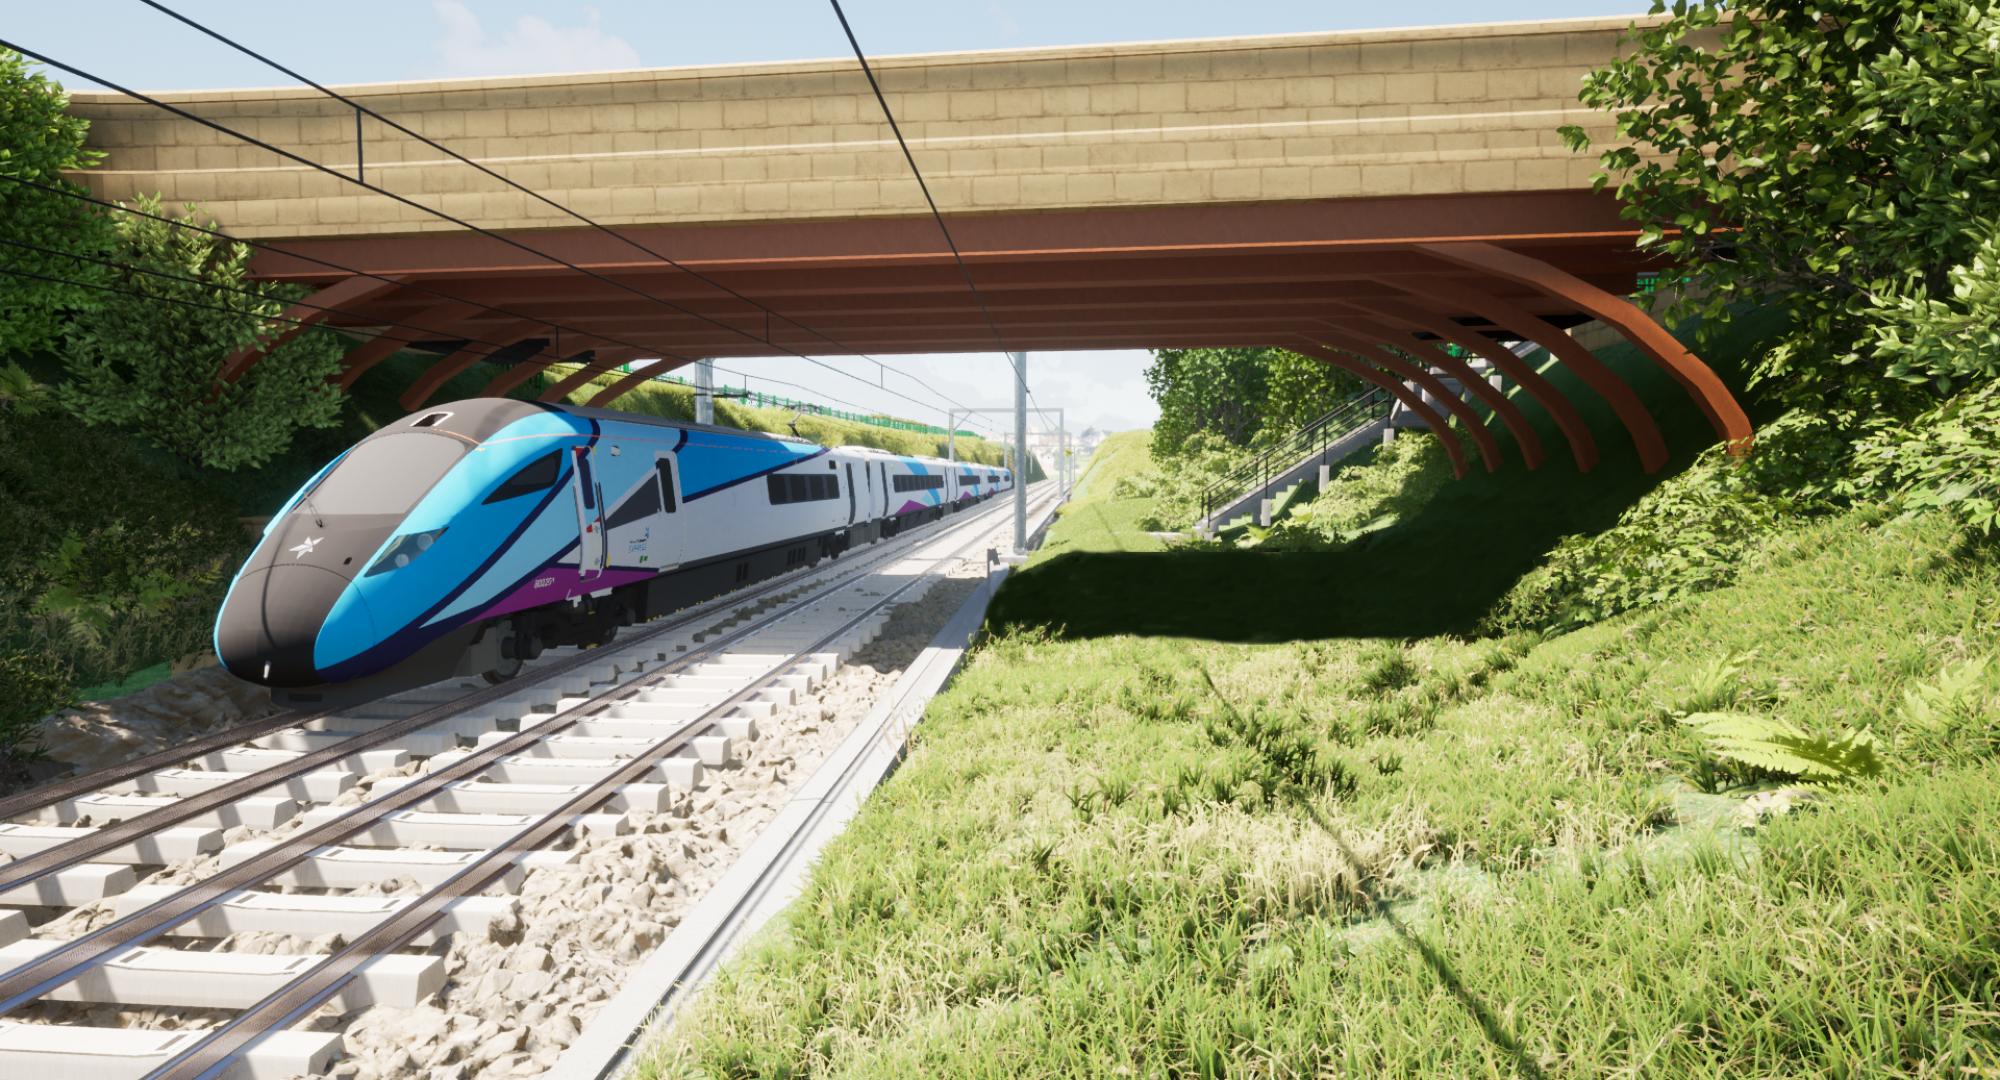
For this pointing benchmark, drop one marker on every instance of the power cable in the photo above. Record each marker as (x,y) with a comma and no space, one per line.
(309,163)
(361,109)
(958,257)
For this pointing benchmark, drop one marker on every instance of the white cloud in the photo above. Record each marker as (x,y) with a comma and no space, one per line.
(532,46)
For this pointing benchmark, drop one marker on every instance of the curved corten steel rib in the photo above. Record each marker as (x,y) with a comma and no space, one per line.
(602,363)
(1582,444)
(437,321)
(1475,424)
(1723,412)
(307,314)
(444,368)
(1421,352)
(633,381)
(1395,386)
(1631,412)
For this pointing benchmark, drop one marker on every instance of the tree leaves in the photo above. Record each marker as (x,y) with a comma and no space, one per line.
(1824,156)
(147,358)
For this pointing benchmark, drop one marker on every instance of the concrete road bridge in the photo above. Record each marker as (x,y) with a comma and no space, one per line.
(1366,197)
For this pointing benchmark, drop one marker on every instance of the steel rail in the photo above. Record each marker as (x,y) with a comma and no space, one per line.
(30,980)
(41,798)
(28,869)
(209,1058)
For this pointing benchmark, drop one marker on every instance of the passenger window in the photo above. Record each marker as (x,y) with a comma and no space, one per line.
(537,475)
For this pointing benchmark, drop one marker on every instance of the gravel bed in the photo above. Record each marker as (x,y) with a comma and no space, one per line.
(518,996)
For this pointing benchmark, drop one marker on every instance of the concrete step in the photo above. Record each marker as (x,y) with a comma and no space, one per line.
(481,797)
(416,743)
(159,849)
(681,773)
(219,980)
(86,1053)
(309,915)
(361,867)
(255,811)
(318,786)
(458,832)
(74,887)
(244,759)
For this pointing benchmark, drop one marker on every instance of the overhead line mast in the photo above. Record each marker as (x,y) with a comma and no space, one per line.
(1019,359)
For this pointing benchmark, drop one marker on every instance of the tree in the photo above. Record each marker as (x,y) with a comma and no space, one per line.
(38,141)
(1237,394)
(1834,157)
(147,358)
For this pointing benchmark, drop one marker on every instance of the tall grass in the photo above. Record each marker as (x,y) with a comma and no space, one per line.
(1443,856)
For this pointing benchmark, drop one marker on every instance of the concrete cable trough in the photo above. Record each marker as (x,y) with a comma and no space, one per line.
(300,868)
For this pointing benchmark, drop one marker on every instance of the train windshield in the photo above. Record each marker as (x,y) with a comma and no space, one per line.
(386,475)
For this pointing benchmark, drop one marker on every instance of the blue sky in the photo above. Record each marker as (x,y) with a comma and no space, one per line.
(386,40)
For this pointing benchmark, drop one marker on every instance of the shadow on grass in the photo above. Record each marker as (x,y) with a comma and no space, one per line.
(1435,572)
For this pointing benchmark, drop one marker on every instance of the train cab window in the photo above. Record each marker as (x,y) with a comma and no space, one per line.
(664,468)
(537,475)
(387,474)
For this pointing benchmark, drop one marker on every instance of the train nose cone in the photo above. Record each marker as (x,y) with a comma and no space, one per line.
(268,627)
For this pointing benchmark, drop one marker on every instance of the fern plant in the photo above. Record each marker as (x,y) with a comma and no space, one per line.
(1772,745)
(1955,718)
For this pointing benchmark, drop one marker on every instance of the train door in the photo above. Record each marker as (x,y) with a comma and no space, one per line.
(883,467)
(850,494)
(589,515)
(665,549)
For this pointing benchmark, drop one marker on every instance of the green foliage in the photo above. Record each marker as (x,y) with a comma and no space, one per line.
(1692,533)
(1362,499)
(1955,719)
(147,361)
(38,141)
(32,685)
(1947,459)
(1176,487)
(1237,395)
(1832,156)
(19,392)
(1771,745)
(115,559)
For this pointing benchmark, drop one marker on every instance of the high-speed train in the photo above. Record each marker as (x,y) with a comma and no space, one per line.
(468,538)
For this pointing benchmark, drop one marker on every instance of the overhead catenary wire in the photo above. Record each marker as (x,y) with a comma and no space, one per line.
(363,110)
(440,214)
(443,335)
(957,256)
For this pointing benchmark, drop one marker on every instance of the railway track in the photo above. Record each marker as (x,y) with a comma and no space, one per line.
(386,831)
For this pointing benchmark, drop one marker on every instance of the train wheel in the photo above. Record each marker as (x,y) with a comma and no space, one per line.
(506,669)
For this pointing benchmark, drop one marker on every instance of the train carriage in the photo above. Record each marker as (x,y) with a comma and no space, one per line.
(471,537)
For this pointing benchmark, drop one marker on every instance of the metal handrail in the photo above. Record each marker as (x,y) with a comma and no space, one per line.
(1336,424)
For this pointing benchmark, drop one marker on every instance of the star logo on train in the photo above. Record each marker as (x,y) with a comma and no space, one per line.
(300,551)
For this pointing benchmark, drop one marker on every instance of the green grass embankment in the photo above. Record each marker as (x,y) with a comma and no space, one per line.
(1372,852)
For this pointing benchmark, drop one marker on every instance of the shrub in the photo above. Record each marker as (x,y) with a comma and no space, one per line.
(1362,499)
(147,359)
(1692,533)
(39,143)
(1947,459)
